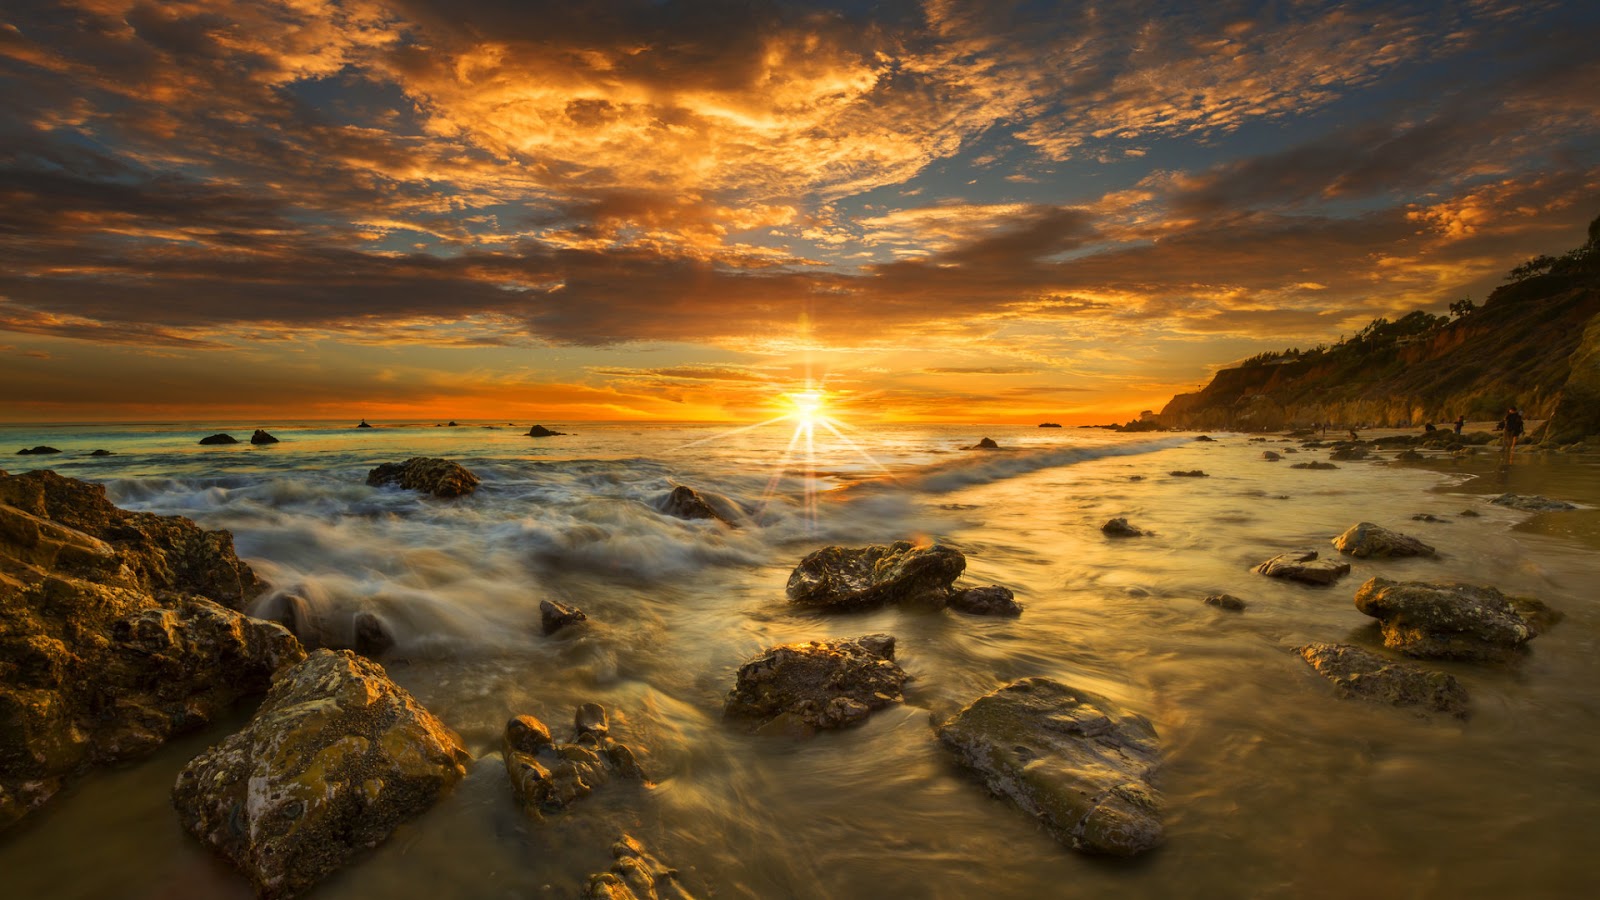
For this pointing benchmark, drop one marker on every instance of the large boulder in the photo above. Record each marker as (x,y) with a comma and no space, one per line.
(431,475)
(1364,539)
(1071,759)
(1362,674)
(1452,621)
(547,776)
(118,630)
(846,578)
(335,759)
(1303,566)
(820,684)
(636,875)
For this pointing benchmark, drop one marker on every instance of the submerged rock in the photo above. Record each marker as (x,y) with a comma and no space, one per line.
(1358,673)
(1119,527)
(541,431)
(992,600)
(219,439)
(686,503)
(335,759)
(102,453)
(820,684)
(985,444)
(1365,539)
(1205,438)
(1348,453)
(1531,503)
(1303,566)
(547,776)
(1313,465)
(1071,759)
(1451,620)
(1271,456)
(1408,455)
(372,635)
(363,424)
(1225,601)
(439,477)
(40,450)
(1192,473)
(262,437)
(555,616)
(636,875)
(846,578)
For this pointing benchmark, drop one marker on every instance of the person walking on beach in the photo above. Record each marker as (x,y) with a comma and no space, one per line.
(1461,421)
(1511,427)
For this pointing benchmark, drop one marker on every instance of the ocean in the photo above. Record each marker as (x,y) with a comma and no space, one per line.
(1274,787)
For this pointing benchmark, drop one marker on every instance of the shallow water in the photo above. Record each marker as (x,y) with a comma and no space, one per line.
(1274,787)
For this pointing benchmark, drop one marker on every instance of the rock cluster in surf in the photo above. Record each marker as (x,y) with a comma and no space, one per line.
(547,775)
(818,684)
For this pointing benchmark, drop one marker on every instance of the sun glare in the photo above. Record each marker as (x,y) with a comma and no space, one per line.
(807,405)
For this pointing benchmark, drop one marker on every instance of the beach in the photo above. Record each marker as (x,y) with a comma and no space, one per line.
(1274,786)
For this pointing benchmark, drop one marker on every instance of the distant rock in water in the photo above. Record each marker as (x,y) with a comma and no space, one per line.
(1192,473)
(541,431)
(1313,465)
(1343,454)
(1049,425)
(1303,566)
(985,444)
(685,503)
(1452,621)
(1358,673)
(547,776)
(636,875)
(992,600)
(1074,761)
(334,760)
(820,684)
(1408,455)
(1206,439)
(262,437)
(1119,527)
(1531,503)
(439,477)
(102,453)
(1270,456)
(40,450)
(219,439)
(451,424)
(845,578)
(363,424)
(1365,539)
(1225,601)
(555,616)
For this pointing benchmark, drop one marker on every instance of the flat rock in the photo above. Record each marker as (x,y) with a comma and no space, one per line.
(430,475)
(1364,539)
(1449,620)
(219,439)
(548,775)
(819,684)
(1119,527)
(991,600)
(262,437)
(555,616)
(858,578)
(1313,465)
(636,875)
(1303,566)
(334,760)
(1361,674)
(1071,759)
(1192,473)
(1225,601)
(1531,503)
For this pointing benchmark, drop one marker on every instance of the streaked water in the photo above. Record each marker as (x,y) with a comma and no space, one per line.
(1274,787)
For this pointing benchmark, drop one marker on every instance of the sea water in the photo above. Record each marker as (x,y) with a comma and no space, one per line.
(1274,787)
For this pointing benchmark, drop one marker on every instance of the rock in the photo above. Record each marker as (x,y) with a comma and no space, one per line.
(1049,425)
(363,424)
(844,578)
(1357,673)
(1452,621)
(40,450)
(1290,450)
(1427,517)
(1531,503)
(685,503)
(219,439)
(262,437)
(1192,473)
(1313,465)
(1408,455)
(102,453)
(1071,759)
(1135,477)
(1206,439)
(1270,456)
(555,616)
(1348,453)
(1303,566)
(636,875)
(1364,540)
(1469,513)
(1119,527)
(451,423)
(547,776)
(820,684)
(372,635)
(1225,601)
(541,431)
(985,444)
(334,760)
(992,600)
(439,477)
(1576,414)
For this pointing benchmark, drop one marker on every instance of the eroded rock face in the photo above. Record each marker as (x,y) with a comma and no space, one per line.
(1071,759)
(636,875)
(821,684)
(334,760)
(991,600)
(118,630)
(1358,673)
(439,477)
(1364,540)
(1303,566)
(547,776)
(1119,527)
(1452,621)
(846,578)
(1531,503)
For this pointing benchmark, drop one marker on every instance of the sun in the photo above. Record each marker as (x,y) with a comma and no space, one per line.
(807,405)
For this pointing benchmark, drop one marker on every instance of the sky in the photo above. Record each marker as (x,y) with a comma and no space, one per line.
(277,210)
